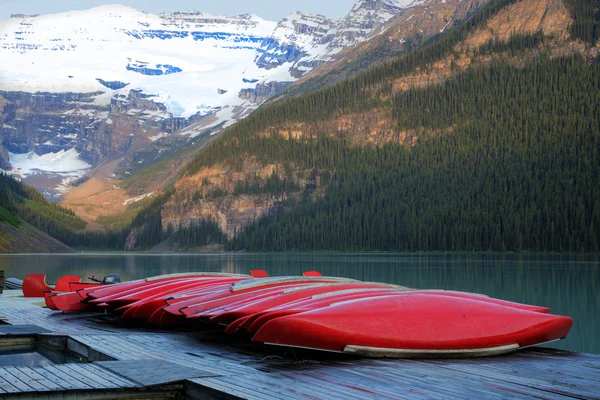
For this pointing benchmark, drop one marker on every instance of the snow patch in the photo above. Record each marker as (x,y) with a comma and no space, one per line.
(62,162)
(136,199)
(158,136)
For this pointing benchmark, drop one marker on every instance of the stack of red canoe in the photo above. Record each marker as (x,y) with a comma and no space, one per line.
(326,313)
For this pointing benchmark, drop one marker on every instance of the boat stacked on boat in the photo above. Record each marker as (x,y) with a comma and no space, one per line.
(325,313)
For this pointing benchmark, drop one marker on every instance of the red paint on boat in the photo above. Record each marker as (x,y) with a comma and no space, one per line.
(75,286)
(144,308)
(235,325)
(62,284)
(69,302)
(257,320)
(311,273)
(109,290)
(48,298)
(34,285)
(217,300)
(259,273)
(419,321)
(230,313)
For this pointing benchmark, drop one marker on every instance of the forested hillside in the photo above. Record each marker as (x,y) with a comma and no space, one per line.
(25,211)
(506,155)
(518,170)
(487,138)
(20,203)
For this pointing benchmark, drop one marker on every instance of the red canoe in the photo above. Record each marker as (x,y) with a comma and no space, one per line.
(232,312)
(143,309)
(153,288)
(121,287)
(68,302)
(48,298)
(247,290)
(254,322)
(243,287)
(415,325)
(34,285)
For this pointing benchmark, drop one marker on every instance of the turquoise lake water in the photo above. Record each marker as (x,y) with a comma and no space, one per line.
(568,284)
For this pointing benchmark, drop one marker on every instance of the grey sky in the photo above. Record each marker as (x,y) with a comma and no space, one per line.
(272,10)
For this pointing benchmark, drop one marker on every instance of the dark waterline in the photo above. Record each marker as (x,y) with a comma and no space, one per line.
(566,283)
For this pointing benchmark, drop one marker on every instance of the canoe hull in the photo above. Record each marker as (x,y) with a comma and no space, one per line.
(415,325)
(34,285)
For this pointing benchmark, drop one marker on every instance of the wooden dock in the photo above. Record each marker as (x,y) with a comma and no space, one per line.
(137,363)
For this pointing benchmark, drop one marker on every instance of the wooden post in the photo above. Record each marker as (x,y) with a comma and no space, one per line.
(1,280)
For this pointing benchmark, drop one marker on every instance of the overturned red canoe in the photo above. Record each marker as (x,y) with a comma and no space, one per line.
(248,290)
(120,288)
(415,325)
(197,303)
(143,309)
(231,312)
(255,321)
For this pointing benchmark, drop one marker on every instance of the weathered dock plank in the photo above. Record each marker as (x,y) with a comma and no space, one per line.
(216,367)
(22,329)
(115,379)
(153,372)
(7,387)
(26,379)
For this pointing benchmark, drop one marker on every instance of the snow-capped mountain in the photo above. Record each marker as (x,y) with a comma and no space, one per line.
(194,65)
(191,62)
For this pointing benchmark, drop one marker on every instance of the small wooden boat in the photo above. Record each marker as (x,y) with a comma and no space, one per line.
(415,325)
(13,284)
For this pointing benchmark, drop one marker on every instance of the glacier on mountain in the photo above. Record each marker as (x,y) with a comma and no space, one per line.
(185,60)
(141,77)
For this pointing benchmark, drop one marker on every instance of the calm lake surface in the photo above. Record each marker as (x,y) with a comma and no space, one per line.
(569,284)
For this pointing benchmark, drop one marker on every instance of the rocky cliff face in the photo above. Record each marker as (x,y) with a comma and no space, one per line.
(410,27)
(214,193)
(550,18)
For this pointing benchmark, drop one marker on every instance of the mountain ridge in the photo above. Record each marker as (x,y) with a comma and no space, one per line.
(149,84)
(481,139)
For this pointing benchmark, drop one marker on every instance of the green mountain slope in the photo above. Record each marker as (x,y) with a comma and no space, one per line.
(505,155)
(31,224)
(19,203)
(518,170)
(485,139)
